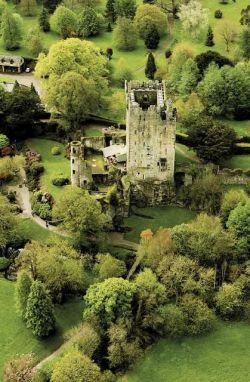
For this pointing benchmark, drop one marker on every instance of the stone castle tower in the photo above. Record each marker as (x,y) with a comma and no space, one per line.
(81,175)
(150,139)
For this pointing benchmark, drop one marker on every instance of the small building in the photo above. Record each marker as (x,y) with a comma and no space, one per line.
(11,63)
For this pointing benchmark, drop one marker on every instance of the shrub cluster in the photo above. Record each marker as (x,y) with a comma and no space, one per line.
(60,181)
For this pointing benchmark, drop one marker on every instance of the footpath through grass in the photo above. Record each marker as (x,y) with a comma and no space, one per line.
(54,165)
(16,338)
(157,217)
(222,356)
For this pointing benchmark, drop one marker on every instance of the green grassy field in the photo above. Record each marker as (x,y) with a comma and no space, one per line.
(184,155)
(162,217)
(238,161)
(54,165)
(222,356)
(16,338)
(29,229)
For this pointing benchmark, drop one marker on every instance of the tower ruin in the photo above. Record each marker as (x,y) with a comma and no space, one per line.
(150,139)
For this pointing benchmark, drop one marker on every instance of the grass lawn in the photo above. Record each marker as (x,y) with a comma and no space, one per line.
(29,229)
(162,217)
(184,155)
(16,338)
(54,165)
(238,161)
(222,356)
(92,131)
(242,128)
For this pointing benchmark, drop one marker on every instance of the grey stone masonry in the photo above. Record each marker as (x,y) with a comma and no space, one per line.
(151,130)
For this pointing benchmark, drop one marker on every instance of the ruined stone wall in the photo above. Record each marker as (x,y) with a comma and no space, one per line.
(150,137)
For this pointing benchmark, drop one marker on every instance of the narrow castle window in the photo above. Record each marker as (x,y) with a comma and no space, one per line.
(74,171)
(73,160)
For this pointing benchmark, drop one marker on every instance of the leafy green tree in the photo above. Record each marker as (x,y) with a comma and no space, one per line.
(85,338)
(57,265)
(150,68)
(44,20)
(8,223)
(79,212)
(229,301)
(181,53)
(152,37)
(20,368)
(28,7)
(109,301)
(189,78)
(194,17)
(148,15)
(4,141)
(150,294)
(245,44)
(212,140)
(74,366)
(171,320)
(82,97)
(123,73)
(205,193)
(125,8)
(39,311)
(22,291)
(153,249)
(199,319)
(34,42)
(210,37)
(230,201)
(177,274)
(64,22)
(205,241)
(89,23)
(239,223)
(88,63)
(3,6)
(125,34)
(226,91)
(108,266)
(122,351)
(11,30)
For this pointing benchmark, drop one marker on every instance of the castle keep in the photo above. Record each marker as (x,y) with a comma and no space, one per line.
(145,151)
(150,135)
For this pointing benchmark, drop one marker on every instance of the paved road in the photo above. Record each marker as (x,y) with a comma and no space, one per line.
(25,79)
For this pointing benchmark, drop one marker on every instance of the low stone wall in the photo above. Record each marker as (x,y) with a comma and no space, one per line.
(94,143)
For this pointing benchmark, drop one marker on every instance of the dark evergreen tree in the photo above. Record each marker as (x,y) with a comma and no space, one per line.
(203,60)
(212,140)
(245,43)
(89,23)
(152,37)
(210,37)
(245,16)
(109,27)
(51,4)
(21,109)
(110,10)
(39,311)
(44,20)
(150,67)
